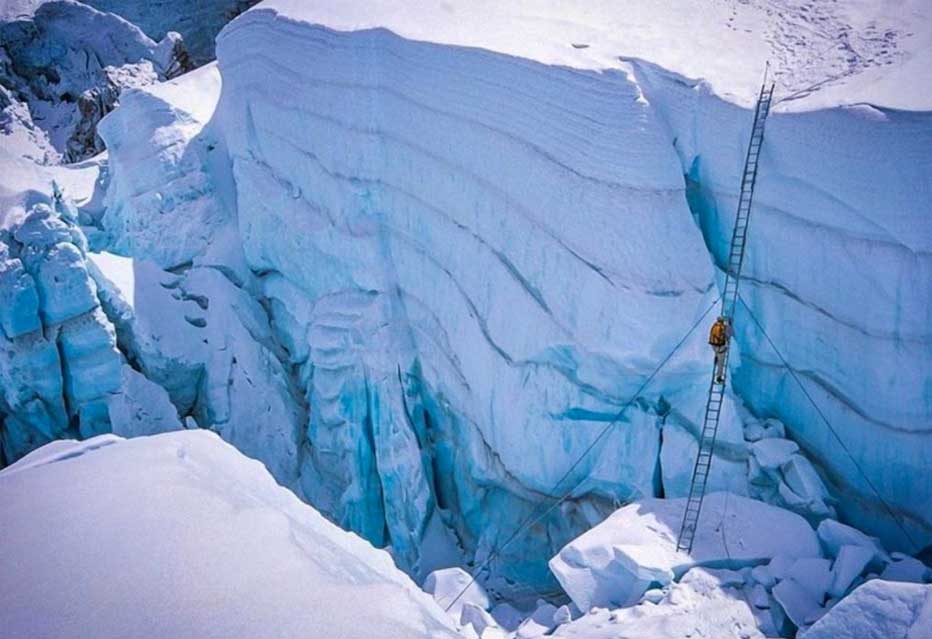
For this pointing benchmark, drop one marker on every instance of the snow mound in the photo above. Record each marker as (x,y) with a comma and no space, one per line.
(878,610)
(179,535)
(613,564)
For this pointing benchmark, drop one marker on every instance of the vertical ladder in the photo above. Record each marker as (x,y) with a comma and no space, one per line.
(713,406)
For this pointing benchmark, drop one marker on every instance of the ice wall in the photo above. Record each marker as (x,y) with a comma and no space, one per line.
(59,360)
(198,328)
(838,271)
(475,261)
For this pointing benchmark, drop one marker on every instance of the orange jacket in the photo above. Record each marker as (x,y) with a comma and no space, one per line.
(718,336)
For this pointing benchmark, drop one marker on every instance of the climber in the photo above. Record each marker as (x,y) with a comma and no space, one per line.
(718,338)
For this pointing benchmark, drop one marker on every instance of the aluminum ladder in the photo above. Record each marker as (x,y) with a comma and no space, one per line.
(713,406)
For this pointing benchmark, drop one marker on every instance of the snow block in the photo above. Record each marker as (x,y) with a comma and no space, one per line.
(477,617)
(446,584)
(801,477)
(540,623)
(507,616)
(834,534)
(773,453)
(813,574)
(878,610)
(850,562)
(797,601)
(617,561)
(763,576)
(906,568)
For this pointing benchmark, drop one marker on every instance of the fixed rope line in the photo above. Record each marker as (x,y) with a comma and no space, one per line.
(831,429)
(531,520)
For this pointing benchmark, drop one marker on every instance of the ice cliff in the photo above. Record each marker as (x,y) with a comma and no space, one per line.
(490,248)
(414,260)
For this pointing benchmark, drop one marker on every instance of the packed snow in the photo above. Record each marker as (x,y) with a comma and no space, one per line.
(180,535)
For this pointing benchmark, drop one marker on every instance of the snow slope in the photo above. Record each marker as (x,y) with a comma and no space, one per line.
(179,535)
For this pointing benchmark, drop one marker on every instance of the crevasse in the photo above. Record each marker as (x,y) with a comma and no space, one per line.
(416,280)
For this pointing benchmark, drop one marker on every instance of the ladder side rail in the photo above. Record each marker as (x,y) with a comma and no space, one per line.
(741,194)
(753,186)
(689,523)
(745,201)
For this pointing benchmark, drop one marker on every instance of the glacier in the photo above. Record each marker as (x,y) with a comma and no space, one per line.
(415,261)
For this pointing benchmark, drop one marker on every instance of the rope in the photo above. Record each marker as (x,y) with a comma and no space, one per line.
(799,382)
(531,520)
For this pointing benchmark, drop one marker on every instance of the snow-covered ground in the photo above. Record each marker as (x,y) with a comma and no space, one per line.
(823,54)
(179,535)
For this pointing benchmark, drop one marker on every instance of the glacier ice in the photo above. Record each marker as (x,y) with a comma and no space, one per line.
(59,364)
(414,291)
(850,562)
(856,335)
(381,181)
(198,23)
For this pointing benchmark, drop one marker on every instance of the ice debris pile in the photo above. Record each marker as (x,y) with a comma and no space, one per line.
(755,566)
(180,535)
